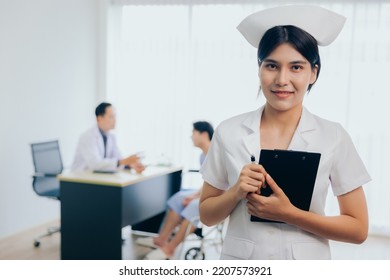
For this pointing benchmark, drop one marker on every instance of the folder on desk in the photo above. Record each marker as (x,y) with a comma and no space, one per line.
(101,171)
(295,173)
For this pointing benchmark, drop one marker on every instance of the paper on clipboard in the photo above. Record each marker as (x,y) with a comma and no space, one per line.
(295,173)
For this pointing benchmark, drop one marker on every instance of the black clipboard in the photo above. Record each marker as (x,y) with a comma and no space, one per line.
(295,173)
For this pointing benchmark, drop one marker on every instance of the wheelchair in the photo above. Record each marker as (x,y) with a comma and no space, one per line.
(205,237)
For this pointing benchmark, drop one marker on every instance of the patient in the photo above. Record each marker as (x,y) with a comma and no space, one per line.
(183,207)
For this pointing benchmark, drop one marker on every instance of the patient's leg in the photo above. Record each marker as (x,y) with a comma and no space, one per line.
(190,216)
(171,221)
(169,248)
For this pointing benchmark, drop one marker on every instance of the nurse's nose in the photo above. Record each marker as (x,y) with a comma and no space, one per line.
(282,77)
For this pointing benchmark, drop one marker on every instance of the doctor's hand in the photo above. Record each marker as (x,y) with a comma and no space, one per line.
(133,159)
(251,180)
(276,207)
(138,167)
(134,162)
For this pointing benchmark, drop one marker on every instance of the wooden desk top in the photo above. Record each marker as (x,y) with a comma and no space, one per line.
(120,179)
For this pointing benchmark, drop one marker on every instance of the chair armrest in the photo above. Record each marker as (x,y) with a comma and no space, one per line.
(44,175)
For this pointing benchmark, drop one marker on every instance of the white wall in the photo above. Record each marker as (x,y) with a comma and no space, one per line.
(48,90)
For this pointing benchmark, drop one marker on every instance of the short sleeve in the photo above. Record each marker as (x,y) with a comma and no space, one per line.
(348,171)
(214,167)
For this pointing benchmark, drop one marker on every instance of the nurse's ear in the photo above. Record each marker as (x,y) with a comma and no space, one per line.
(313,77)
(314,74)
(258,74)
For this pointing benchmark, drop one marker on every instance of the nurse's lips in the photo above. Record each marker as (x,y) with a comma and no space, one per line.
(282,93)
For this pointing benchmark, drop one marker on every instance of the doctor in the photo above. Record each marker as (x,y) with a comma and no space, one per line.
(97,148)
(287,39)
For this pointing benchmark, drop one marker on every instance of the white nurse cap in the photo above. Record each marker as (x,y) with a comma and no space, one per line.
(324,25)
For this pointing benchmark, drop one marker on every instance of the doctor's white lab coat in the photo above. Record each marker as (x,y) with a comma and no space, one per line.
(236,139)
(90,151)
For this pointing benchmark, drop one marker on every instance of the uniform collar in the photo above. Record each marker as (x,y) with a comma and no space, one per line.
(99,132)
(102,132)
(300,140)
(252,125)
(306,125)
(252,121)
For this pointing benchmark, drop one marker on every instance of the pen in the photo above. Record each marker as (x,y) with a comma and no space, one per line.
(253,160)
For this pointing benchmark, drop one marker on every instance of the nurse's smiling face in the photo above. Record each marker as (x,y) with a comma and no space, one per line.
(285,76)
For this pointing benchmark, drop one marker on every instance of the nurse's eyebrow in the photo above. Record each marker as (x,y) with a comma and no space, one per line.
(298,62)
(269,60)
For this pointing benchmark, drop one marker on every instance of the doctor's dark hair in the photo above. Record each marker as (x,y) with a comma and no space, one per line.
(203,126)
(299,39)
(101,109)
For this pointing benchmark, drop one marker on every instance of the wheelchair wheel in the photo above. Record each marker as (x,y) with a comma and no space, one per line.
(194,254)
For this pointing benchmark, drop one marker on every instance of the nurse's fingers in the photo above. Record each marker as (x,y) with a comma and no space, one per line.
(247,184)
(251,209)
(272,184)
(256,168)
(253,197)
(255,209)
(254,182)
(248,188)
(253,171)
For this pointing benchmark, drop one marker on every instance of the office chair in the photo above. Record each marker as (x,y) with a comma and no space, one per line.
(47,164)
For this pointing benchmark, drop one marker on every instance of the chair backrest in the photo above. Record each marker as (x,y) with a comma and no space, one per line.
(47,157)
(47,164)
(191,179)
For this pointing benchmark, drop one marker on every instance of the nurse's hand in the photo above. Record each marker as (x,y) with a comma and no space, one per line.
(251,180)
(276,207)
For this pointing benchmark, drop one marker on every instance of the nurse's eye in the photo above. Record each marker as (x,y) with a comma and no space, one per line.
(271,66)
(296,68)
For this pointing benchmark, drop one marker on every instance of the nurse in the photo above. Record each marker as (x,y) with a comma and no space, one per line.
(287,40)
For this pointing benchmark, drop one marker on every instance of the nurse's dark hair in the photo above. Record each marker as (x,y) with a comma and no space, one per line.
(299,39)
(101,109)
(203,126)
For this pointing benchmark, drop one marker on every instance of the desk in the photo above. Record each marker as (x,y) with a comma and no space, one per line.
(95,207)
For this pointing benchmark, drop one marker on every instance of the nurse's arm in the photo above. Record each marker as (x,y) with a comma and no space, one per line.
(215,205)
(350,226)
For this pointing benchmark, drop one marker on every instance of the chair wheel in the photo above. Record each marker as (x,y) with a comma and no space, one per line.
(36,244)
(194,254)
